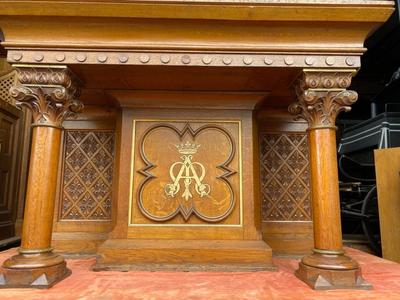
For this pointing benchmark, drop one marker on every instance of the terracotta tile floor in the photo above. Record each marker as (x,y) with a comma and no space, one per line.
(85,284)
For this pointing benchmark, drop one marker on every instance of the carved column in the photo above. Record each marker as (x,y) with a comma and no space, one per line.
(51,94)
(321,96)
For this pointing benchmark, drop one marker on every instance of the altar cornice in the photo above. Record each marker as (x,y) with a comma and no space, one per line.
(238,27)
(249,10)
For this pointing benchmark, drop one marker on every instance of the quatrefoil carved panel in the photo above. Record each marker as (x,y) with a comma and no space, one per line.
(186,171)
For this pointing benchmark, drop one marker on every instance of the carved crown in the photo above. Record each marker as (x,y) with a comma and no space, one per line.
(187,148)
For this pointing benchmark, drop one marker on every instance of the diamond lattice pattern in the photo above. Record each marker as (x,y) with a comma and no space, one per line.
(285,182)
(6,82)
(87,175)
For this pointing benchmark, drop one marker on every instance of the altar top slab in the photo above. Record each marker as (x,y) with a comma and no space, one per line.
(304,10)
(262,25)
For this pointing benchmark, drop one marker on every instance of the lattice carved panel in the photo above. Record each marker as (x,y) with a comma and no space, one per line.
(285,179)
(87,175)
(6,82)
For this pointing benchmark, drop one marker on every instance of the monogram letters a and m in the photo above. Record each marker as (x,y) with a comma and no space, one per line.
(183,177)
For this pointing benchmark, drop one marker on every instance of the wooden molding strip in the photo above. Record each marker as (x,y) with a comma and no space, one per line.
(183,59)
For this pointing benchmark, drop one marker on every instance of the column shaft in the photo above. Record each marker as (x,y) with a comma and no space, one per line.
(40,197)
(325,189)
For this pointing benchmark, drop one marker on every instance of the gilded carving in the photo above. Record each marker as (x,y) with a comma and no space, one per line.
(321,96)
(189,171)
(185,177)
(51,94)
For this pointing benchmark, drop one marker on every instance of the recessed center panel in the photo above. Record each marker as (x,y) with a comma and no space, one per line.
(186,173)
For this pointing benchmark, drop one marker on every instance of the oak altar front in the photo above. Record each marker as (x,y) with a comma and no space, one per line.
(163,133)
(188,186)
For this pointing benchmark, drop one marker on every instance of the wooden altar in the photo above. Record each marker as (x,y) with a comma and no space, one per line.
(160,138)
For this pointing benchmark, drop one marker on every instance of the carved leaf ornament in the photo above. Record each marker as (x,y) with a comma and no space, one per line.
(47,108)
(322,96)
(50,93)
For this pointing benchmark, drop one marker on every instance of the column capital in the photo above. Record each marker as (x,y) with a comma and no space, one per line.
(321,95)
(50,92)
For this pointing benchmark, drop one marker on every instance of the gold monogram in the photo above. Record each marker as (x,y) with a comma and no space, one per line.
(189,171)
(186,185)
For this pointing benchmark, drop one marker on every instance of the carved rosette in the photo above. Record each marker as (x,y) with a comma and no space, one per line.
(321,96)
(50,93)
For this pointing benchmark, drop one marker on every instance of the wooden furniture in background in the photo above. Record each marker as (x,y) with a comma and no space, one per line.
(10,123)
(15,142)
(387,166)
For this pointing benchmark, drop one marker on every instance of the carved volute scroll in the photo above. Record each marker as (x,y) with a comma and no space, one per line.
(51,93)
(322,95)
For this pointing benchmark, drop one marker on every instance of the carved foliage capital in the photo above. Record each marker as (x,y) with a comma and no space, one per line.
(321,96)
(50,93)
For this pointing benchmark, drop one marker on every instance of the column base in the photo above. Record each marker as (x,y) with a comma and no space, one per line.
(33,270)
(328,272)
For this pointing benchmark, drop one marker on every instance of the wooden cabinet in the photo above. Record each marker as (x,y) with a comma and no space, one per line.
(387,166)
(9,128)
(14,146)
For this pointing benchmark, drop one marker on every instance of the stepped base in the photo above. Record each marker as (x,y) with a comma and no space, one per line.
(184,255)
(40,278)
(328,279)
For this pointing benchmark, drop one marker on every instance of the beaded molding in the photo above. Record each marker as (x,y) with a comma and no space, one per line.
(184,59)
